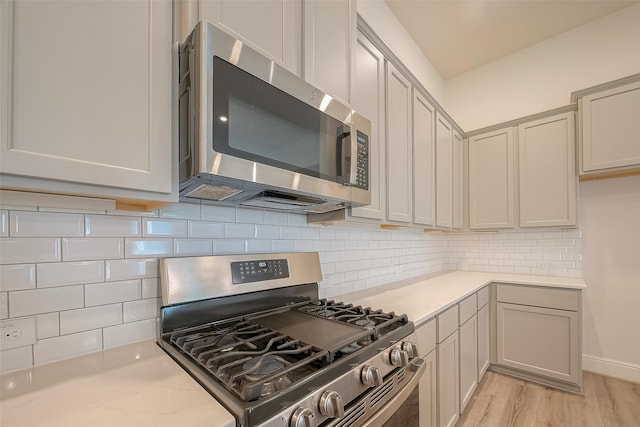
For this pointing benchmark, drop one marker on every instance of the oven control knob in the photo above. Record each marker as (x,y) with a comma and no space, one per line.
(399,357)
(331,404)
(410,348)
(371,376)
(303,417)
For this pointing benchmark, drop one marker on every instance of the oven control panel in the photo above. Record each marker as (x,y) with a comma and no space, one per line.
(259,270)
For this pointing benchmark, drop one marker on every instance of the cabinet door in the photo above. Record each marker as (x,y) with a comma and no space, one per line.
(547,174)
(423,161)
(329,43)
(399,159)
(444,172)
(448,381)
(610,124)
(483,341)
(428,392)
(456,181)
(274,27)
(368,100)
(491,180)
(468,360)
(86,92)
(539,340)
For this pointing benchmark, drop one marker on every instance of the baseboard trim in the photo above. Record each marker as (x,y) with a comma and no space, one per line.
(611,368)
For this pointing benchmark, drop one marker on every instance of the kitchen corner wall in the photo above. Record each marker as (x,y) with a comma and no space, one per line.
(82,281)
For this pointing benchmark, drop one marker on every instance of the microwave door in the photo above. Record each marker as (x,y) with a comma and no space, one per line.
(346,155)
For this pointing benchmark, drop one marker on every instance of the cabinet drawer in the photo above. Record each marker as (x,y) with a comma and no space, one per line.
(562,299)
(426,337)
(447,323)
(483,297)
(468,307)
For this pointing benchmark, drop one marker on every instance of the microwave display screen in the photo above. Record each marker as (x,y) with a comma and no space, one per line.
(258,122)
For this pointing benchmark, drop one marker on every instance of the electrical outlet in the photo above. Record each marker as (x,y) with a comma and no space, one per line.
(547,265)
(17,332)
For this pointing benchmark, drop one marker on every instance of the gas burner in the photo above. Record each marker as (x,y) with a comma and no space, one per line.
(365,323)
(260,367)
(325,313)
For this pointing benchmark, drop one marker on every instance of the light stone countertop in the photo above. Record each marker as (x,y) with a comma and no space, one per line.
(421,298)
(135,385)
(140,385)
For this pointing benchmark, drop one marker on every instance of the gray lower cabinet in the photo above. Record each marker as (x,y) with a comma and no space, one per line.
(448,350)
(483,341)
(427,387)
(468,335)
(538,334)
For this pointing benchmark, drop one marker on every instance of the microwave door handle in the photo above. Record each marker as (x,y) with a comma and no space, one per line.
(346,155)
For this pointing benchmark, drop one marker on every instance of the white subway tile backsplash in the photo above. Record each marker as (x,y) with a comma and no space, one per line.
(29,250)
(86,319)
(112,292)
(258,246)
(4,222)
(16,277)
(44,224)
(37,301)
(48,325)
(252,216)
(126,269)
(217,213)
(267,231)
(141,310)
(275,218)
(189,247)
(206,229)
(137,248)
(151,288)
(70,273)
(114,270)
(92,249)
(228,246)
(164,227)
(108,226)
(127,333)
(239,231)
(181,211)
(16,358)
(67,346)
(283,245)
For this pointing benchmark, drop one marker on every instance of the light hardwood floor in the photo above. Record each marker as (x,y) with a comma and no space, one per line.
(502,401)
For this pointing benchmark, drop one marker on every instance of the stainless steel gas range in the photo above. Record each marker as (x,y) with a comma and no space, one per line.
(252,331)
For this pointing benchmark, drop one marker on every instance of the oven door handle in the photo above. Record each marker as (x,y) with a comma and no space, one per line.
(390,408)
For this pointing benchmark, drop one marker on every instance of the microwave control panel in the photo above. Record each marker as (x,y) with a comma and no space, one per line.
(362,174)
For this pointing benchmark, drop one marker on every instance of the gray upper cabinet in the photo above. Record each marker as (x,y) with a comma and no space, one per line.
(610,129)
(399,153)
(444,172)
(491,180)
(423,161)
(368,98)
(329,44)
(273,27)
(86,98)
(547,172)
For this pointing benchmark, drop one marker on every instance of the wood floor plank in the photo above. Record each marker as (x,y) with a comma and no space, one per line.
(503,401)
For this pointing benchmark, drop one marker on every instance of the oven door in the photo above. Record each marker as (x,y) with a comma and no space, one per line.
(403,409)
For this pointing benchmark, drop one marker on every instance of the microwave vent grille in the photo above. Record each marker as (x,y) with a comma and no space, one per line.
(213,192)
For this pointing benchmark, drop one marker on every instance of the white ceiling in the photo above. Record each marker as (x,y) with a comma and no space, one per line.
(459,35)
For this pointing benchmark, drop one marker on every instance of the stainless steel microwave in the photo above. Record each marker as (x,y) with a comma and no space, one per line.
(254,134)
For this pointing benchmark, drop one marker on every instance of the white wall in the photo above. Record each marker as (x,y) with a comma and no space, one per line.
(610,217)
(543,76)
(377,14)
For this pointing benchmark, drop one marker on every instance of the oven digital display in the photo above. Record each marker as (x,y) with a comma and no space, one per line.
(258,271)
